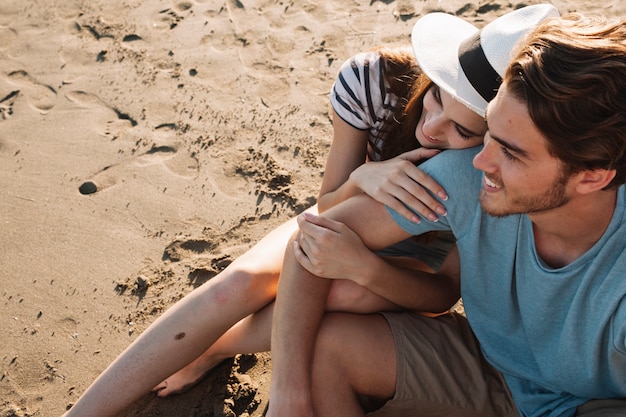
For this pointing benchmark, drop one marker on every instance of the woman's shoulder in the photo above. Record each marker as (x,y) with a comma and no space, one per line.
(373,59)
(361,61)
(367,57)
(360,94)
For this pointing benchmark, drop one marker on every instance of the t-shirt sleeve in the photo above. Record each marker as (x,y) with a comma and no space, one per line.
(453,170)
(359,90)
(618,324)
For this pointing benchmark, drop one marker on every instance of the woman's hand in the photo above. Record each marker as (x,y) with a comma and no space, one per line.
(398,183)
(329,249)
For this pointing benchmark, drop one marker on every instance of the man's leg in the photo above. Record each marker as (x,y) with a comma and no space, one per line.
(355,354)
(438,370)
(602,408)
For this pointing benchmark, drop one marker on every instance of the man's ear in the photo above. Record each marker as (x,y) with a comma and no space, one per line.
(594,180)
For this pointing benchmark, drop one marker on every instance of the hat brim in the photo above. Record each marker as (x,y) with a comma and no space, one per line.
(436,38)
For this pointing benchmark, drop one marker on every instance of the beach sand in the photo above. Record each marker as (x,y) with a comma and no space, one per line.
(144,145)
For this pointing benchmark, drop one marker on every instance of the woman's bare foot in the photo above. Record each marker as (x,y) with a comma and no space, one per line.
(187,377)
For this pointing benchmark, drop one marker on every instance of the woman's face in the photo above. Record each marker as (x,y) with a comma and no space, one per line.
(448,124)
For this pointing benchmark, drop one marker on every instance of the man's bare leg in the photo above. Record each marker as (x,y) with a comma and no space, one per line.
(355,356)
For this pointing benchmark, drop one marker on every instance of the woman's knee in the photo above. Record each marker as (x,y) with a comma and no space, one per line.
(240,283)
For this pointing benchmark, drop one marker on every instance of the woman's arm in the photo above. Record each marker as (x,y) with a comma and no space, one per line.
(329,249)
(395,183)
(348,152)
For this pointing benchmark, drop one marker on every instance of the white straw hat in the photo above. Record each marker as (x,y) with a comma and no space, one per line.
(469,63)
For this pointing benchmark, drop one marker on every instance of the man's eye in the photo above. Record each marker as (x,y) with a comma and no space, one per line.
(507,154)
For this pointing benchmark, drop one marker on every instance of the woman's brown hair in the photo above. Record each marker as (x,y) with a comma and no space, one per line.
(407,82)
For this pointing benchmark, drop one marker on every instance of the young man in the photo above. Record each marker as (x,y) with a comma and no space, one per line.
(543,261)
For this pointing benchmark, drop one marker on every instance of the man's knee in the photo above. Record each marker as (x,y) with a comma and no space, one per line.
(329,340)
(329,363)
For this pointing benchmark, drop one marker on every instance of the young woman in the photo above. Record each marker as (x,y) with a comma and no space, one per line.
(430,119)
(387,115)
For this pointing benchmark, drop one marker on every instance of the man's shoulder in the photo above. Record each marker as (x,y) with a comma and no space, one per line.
(453,166)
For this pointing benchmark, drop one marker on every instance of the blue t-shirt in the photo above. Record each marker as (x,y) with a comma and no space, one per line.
(558,335)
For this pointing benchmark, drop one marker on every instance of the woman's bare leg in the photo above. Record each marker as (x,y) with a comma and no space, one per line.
(250,335)
(189,327)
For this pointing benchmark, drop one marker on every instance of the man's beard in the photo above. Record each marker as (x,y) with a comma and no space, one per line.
(555,198)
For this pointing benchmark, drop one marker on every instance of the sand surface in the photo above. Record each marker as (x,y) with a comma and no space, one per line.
(146,144)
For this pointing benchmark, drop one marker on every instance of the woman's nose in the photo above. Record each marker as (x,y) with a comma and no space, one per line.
(432,127)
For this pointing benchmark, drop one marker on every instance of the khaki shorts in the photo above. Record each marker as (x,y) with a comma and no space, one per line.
(441,371)
(602,408)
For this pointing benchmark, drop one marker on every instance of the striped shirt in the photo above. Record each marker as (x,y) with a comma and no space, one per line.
(360,96)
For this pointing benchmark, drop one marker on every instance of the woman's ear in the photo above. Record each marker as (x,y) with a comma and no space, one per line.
(594,180)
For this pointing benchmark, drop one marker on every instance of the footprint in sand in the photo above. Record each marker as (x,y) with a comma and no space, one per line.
(171,17)
(202,257)
(184,248)
(177,163)
(7,36)
(40,96)
(113,121)
(6,104)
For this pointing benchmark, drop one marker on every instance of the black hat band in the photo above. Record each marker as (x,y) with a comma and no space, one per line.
(477,68)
